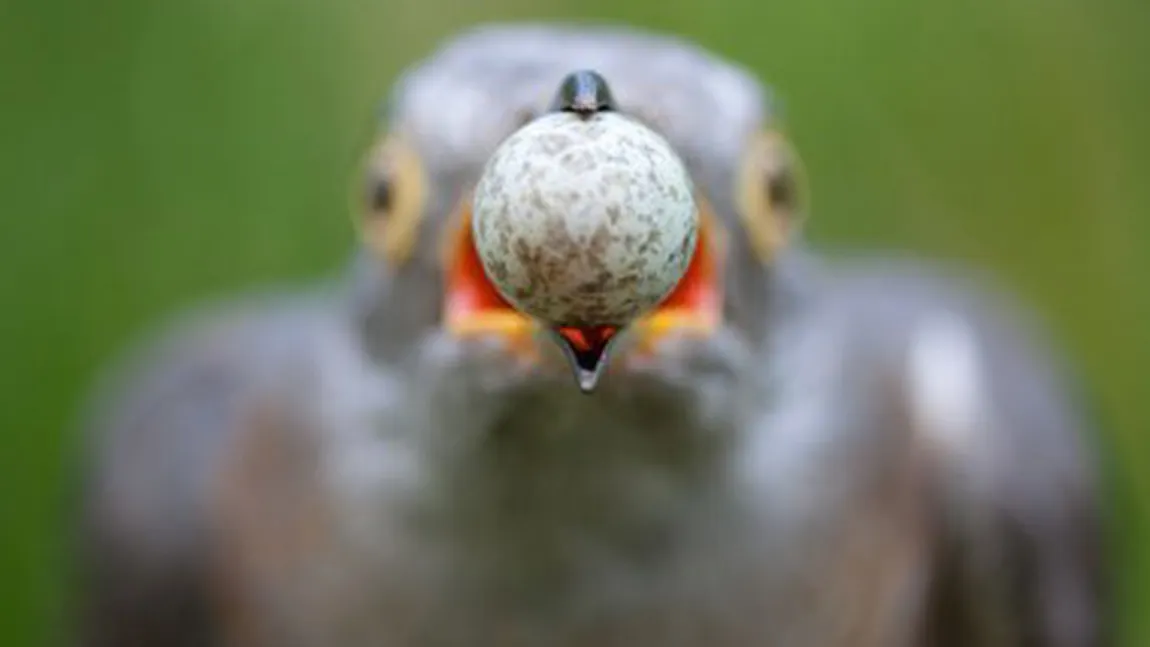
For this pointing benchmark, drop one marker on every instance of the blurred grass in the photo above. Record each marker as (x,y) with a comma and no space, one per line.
(155,153)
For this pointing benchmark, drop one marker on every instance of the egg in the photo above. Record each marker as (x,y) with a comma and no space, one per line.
(584,219)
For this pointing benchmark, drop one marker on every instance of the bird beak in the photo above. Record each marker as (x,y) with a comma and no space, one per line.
(473,308)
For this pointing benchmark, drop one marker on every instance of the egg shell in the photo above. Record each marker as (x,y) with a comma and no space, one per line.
(585,220)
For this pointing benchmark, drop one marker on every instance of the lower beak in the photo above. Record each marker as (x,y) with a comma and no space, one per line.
(473,308)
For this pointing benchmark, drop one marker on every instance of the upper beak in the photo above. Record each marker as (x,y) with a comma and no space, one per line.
(472,306)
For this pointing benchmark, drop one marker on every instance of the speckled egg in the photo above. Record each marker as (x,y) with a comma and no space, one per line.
(584,220)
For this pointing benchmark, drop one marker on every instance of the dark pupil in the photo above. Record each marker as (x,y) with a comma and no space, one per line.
(381,195)
(781,190)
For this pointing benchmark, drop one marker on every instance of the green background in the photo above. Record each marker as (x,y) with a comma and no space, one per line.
(153,153)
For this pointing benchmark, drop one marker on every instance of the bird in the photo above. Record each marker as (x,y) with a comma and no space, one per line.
(785,450)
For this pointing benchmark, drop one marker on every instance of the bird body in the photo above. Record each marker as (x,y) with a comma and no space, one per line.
(866,454)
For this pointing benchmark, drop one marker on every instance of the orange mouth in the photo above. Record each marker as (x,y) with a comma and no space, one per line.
(474,308)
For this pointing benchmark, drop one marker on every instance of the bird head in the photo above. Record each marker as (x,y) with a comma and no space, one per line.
(611,195)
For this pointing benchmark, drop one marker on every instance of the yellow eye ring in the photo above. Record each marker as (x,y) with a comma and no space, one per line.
(770,192)
(390,199)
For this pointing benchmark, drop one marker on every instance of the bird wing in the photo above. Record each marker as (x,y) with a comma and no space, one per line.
(155,438)
(1007,450)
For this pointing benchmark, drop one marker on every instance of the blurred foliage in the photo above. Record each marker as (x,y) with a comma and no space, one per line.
(155,153)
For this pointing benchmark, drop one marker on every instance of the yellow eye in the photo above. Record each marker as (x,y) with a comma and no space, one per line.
(771,193)
(390,200)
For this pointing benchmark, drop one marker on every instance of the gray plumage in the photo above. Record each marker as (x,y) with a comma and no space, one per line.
(868,453)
